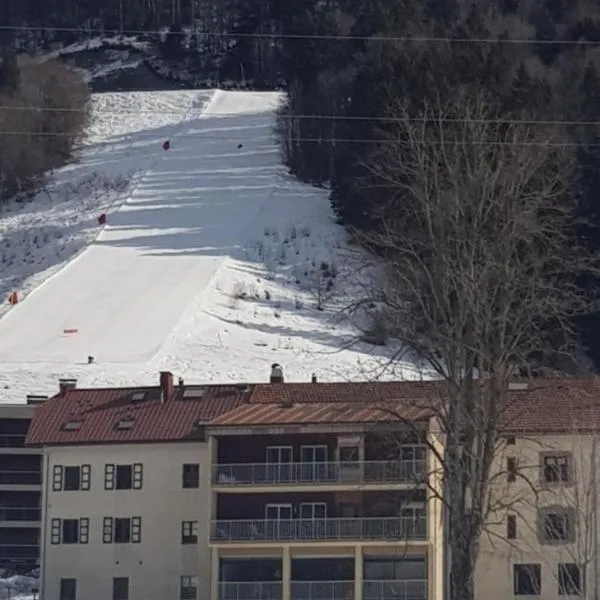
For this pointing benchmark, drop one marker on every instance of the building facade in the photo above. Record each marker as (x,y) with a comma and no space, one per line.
(307,509)
(20,489)
(305,491)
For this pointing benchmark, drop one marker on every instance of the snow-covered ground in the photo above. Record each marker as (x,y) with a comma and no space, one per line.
(17,587)
(212,263)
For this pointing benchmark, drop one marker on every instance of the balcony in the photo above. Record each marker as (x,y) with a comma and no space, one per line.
(322,590)
(20,553)
(250,590)
(266,530)
(11,513)
(359,473)
(20,478)
(9,440)
(408,589)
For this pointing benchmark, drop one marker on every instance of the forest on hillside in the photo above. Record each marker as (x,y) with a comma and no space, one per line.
(349,66)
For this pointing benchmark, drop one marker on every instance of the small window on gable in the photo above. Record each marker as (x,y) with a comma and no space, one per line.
(511,468)
(511,440)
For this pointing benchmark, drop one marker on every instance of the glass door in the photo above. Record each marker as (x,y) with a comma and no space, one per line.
(314,463)
(278,521)
(313,519)
(279,464)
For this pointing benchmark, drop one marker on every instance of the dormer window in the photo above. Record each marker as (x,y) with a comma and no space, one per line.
(125,424)
(138,397)
(71,426)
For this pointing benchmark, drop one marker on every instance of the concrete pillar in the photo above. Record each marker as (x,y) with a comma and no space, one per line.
(214,574)
(358,572)
(286,574)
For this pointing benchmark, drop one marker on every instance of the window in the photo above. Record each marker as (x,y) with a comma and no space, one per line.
(556,468)
(68,589)
(527,579)
(120,588)
(70,478)
(511,440)
(122,530)
(556,524)
(569,579)
(69,531)
(191,476)
(189,532)
(511,527)
(511,468)
(189,587)
(123,477)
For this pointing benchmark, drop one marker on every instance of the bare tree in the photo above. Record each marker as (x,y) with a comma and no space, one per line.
(480,263)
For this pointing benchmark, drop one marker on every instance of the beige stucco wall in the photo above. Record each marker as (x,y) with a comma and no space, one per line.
(524,498)
(156,564)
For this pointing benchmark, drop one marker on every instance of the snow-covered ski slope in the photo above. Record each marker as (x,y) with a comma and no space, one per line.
(210,264)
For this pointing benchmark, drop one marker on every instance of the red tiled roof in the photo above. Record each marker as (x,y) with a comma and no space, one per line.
(555,406)
(343,402)
(547,406)
(99,411)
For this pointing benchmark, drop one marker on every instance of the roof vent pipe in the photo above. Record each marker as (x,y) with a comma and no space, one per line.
(276,373)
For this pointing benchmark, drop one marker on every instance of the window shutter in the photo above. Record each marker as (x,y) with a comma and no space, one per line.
(84,530)
(85,477)
(107,530)
(57,478)
(136,530)
(137,476)
(109,477)
(55,532)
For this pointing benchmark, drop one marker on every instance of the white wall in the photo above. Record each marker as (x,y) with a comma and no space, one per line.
(524,498)
(155,565)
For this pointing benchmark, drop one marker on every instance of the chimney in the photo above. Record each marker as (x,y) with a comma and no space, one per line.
(314,378)
(166,386)
(66,384)
(276,373)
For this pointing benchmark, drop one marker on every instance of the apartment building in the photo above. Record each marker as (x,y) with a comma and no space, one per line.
(252,492)
(542,536)
(304,491)
(20,488)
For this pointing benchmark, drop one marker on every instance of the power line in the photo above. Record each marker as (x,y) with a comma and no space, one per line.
(321,117)
(327,140)
(306,36)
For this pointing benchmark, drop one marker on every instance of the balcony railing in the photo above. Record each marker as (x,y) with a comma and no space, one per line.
(322,590)
(10,513)
(250,590)
(368,472)
(10,440)
(409,589)
(389,528)
(19,552)
(20,477)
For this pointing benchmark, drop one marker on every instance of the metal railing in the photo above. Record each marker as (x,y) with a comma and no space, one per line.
(10,440)
(23,551)
(20,477)
(406,589)
(250,590)
(322,590)
(11,513)
(367,472)
(394,528)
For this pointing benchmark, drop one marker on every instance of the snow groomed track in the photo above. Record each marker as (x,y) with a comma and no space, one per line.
(120,299)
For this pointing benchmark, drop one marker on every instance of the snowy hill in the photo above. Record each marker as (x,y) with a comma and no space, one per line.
(212,264)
